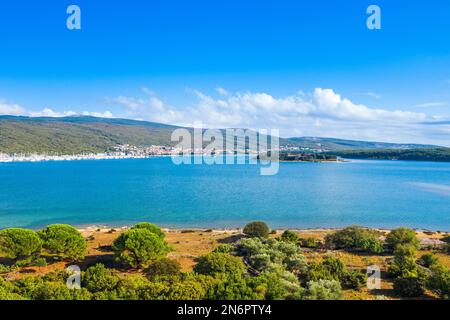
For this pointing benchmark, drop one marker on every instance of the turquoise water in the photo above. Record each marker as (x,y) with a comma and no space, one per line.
(301,195)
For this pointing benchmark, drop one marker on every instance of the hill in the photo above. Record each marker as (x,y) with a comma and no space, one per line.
(436,154)
(332,144)
(81,134)
(70,135)
(85,134)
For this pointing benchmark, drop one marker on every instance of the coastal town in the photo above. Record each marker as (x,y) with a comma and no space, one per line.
(127,151)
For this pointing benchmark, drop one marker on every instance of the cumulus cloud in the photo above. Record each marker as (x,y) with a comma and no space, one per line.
(17,110)
(322,112)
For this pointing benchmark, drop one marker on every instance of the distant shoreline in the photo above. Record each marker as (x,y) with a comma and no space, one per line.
(42,158)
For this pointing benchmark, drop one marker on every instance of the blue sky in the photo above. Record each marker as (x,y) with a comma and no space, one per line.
(307,67)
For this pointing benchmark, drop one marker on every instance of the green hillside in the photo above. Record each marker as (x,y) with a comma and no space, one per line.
(439,154)
(77,134)
(74,135)
(332,144)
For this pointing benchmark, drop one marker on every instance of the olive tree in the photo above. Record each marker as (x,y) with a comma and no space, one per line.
(257,229)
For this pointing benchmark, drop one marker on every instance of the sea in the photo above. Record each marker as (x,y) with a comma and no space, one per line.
(381,194)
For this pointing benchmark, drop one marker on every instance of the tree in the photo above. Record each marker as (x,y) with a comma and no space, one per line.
(409,286)
(402,236)
(290,236)
(404,263)
(439,281)
(150,227)
(164,267)
(64,241)
(98,278)
(216,264)
(427,260)
(139,247)
(257,229)
(357,238)
(323,290)
(20,244)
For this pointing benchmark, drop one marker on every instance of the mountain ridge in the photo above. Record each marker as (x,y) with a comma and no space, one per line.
(82,134)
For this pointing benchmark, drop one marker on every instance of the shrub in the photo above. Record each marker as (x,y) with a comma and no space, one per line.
(427,260)
(224,248)
(354,279)
(19,244)
(150,227)
(409,286)
(64,241)
(98,278)
(404,264)
(335,266)
(310,243)
(439,281)
(278,284)
(183,290)
(220,263)
(256,229)
(164,267)
(262,253)
(332,268)
(318,271)
(232,288)
(402,236)
(356,238)
(40,262)
(323,290)
(7,269)
(289,236)
(139,247)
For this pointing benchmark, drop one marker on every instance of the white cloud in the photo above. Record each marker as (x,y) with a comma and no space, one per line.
(222,91)
(11,109)
(17,110)
(320,113)
(374,95)
(431,105)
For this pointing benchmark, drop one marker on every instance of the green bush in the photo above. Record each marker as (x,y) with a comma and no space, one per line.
(404,263)
(224,248)
(98,278)
(262,253)
(164,267)
(409,286)
(150,227)
(439,281)
(64,241)
(323,290)
(257,229)
(427,260)
(356,238)
(332,268)
(402,236)
(20,244)
(215,264)
(318,271)
(7,269)
(139,247)
(290,236)
(310,243)
(354,279)
(278,284)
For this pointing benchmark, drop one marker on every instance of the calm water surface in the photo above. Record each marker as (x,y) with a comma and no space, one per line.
(301,195)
